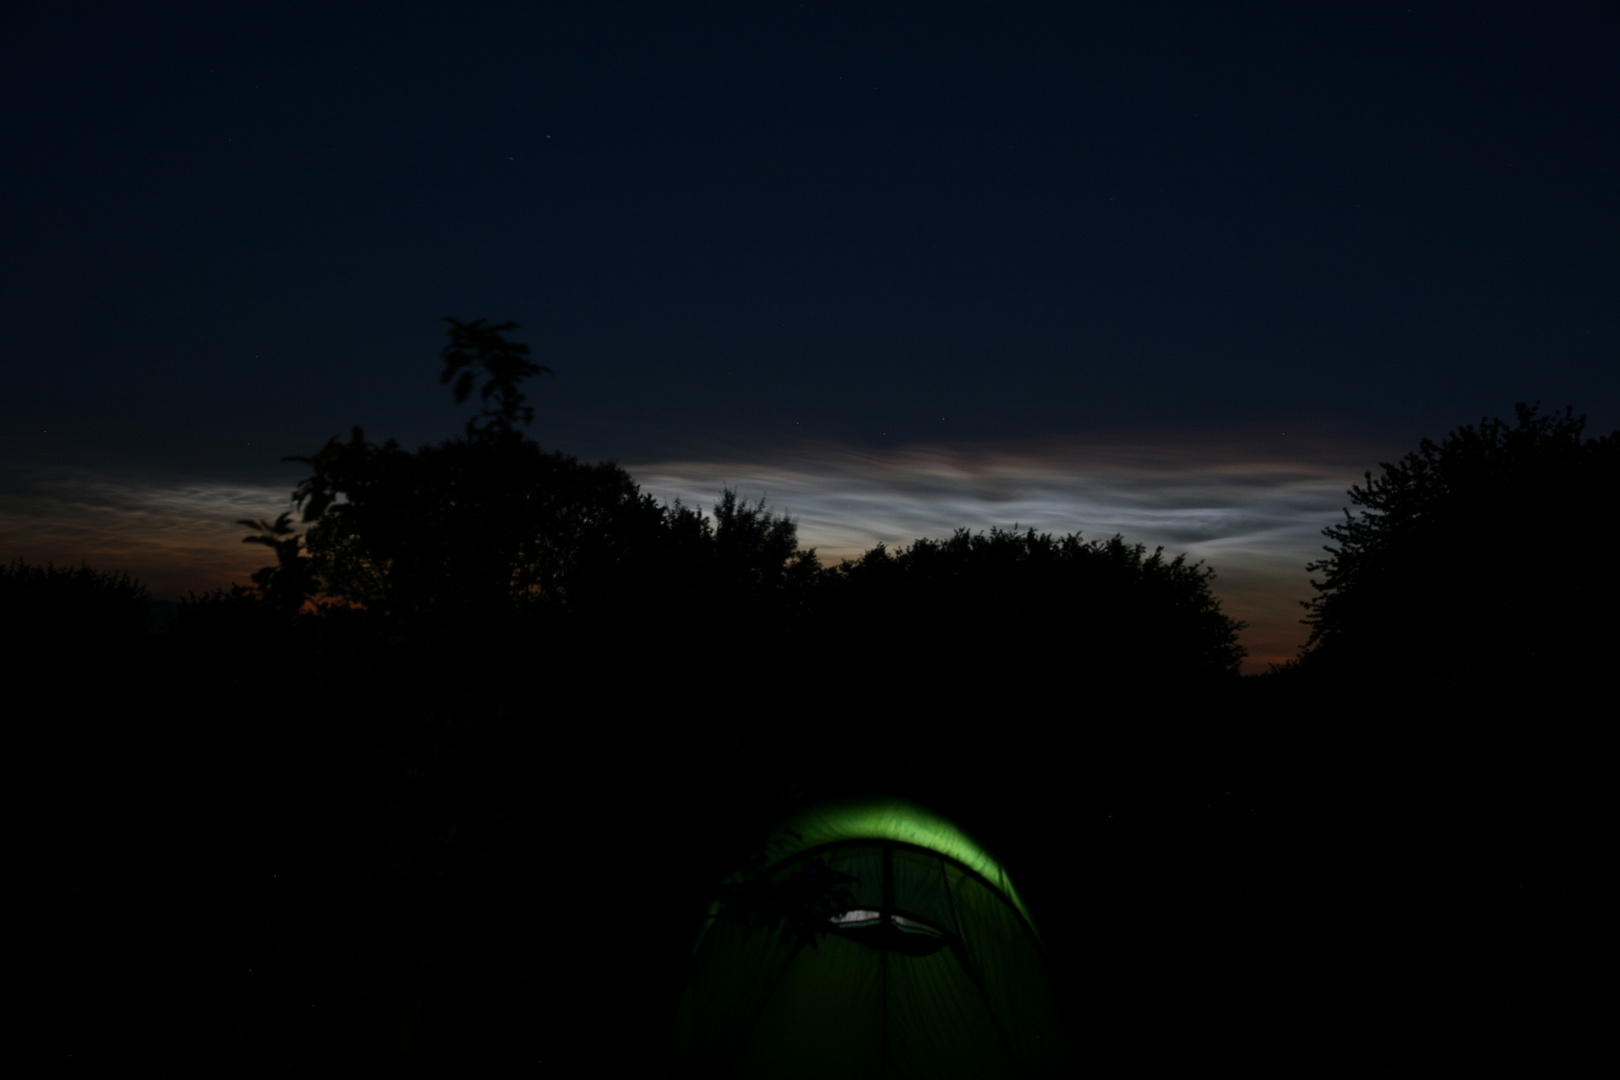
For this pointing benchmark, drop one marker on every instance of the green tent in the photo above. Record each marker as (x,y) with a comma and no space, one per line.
(927,966)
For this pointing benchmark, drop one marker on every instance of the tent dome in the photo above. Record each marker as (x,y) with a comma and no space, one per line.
(906,953)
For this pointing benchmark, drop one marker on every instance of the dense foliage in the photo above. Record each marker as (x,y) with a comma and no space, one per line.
(1469,562)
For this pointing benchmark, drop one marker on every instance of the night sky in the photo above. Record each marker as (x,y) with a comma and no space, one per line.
(1179,271)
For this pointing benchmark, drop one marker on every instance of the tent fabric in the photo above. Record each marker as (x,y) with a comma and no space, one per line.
(934,970)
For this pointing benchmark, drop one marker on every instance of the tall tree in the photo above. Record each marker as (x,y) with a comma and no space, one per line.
(1470,561)
(475,527)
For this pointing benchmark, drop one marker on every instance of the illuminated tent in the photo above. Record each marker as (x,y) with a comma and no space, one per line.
(929,965)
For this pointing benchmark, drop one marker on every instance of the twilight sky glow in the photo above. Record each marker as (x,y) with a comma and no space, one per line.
(900,268)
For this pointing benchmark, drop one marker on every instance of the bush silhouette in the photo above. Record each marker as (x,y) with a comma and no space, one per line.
(1097,602)
(50,608)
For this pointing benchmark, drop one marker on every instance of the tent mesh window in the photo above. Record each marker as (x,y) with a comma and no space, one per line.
(932,969)
(902,901)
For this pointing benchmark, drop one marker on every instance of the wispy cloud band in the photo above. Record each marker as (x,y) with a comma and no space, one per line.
(1251,509)
(176,536)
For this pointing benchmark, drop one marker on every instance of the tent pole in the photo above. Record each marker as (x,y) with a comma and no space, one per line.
(989,1009)
(765,999)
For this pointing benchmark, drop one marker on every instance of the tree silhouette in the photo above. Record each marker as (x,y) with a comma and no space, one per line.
(1011,615)
(471,529)
(481,525)
(289,584)
(759,579)
(475,345)
(1466,566)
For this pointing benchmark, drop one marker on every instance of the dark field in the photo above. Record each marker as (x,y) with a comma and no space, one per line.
(278,863)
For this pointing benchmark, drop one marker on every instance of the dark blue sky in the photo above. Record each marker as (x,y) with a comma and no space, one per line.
(753,234)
